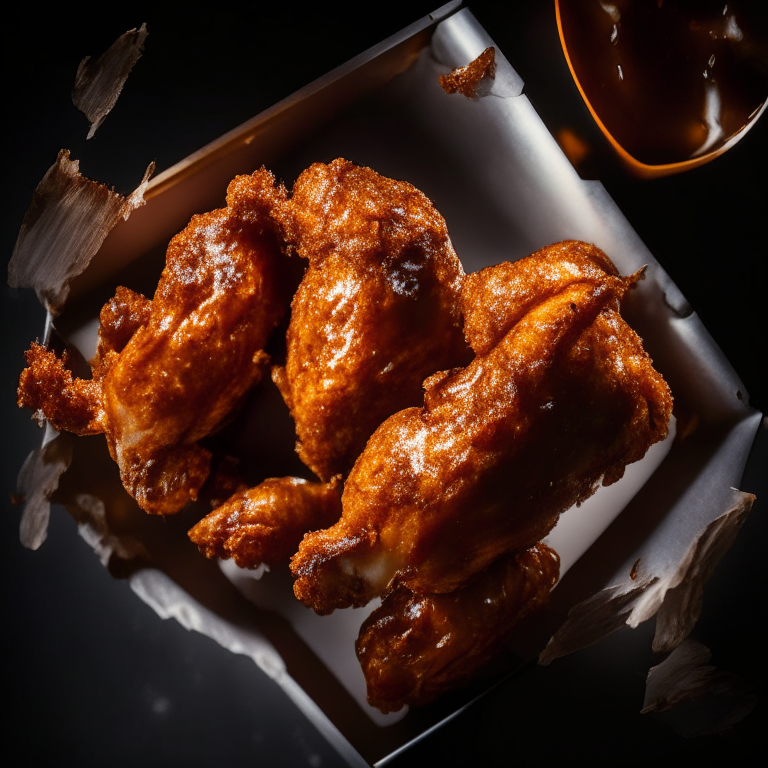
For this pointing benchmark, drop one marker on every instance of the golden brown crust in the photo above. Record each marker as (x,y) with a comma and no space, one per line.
(170,371)
(183,372)
(495,298)
(465,80)
(265,524)
(119,319)
(414,648)
(566,397)
(376,312)
(48,387)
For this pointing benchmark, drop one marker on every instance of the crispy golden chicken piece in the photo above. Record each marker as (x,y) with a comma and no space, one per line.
(376,313)
(564,399)
(170,371)
(265,524)
(48,387)
(414,648)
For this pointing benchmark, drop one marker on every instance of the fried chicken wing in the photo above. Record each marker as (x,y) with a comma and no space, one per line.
(265,524)
(376,312)
(414,648)
(170,371)
(564,399)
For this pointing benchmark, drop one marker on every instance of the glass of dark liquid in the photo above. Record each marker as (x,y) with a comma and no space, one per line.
(671,83)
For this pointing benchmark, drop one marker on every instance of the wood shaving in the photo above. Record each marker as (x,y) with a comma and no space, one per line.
(697,698)
(66,223)
(99,82)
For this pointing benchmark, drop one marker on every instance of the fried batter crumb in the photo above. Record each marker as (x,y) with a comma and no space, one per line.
(465,80)
(48,387)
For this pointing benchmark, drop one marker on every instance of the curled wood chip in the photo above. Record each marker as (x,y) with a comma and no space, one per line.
(592,619)
(64,227)
(37,481)
(675,594)
(466,80)
(704,699)
(681,608)
(98,82)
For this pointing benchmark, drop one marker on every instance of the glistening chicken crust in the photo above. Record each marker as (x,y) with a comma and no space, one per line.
(49,389)
(170,371)
(563,399)
(414,648)
(265,524)
(376,313)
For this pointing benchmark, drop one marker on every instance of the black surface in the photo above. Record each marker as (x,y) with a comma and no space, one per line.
(91,673)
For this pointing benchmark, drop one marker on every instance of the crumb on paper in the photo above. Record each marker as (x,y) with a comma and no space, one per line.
(99,82)
(466,80)
(633,571)
(674,597)
(696,698)
(66,223)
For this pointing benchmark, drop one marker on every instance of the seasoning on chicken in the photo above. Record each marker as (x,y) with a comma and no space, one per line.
(170,371)
(563,399)
(376,313)
(265,524)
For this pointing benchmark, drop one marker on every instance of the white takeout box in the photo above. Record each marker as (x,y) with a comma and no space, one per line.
(505,190)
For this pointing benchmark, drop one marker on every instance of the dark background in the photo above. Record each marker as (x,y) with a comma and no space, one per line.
(90,672)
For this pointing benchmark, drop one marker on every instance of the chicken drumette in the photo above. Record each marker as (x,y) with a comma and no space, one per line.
(169,371)
(265,524)
(413,648)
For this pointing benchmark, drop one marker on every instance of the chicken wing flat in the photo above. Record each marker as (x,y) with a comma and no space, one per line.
(565,398)
(169,372)
(376,313)
(265,524)
(414,648)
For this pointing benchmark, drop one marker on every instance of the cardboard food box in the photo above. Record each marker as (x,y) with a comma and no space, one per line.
(497,175)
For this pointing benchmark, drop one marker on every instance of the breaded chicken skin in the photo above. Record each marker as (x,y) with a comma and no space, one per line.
(555,403)
(170,371)
(376,313)
(265,524)
(414,648)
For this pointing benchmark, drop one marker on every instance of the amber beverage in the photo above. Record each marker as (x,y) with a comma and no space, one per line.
(671,83)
